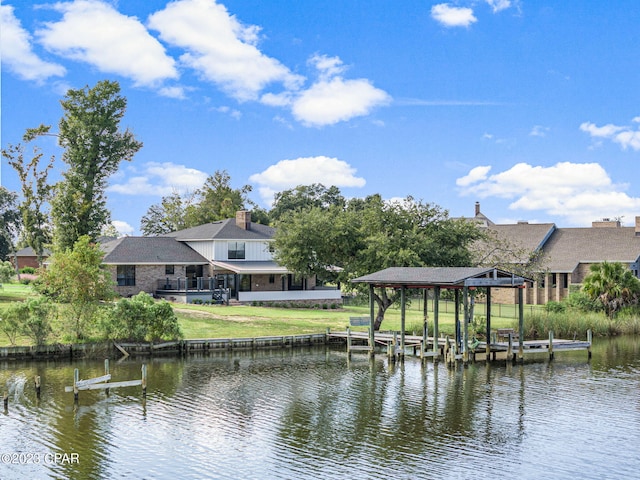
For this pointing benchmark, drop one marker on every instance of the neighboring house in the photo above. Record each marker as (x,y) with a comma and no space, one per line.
(231,257)
(566,253)
(26,257)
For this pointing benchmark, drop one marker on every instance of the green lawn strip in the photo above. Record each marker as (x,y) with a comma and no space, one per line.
(220,321)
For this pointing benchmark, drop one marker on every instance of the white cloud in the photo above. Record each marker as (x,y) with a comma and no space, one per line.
(159,179)
(499,5)
(17,53)
(337,100)
(449,16)
(220,48)
(123,228)
(476,174)
(579,192)
(305,171)
(333,99)
(539,131)
(94,32)
(625,136)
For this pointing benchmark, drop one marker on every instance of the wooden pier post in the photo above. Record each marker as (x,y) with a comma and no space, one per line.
(106,372)
(5,399)
(465,335)
(550,344)
(144,380)
(348,339)
(589,339)
(76,378)
(436,319)
(510,348)
(37,385)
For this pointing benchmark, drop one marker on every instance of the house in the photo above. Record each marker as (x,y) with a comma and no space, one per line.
(26,257)
(566,254)
(230,259)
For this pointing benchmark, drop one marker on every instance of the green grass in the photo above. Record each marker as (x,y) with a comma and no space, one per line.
(244,321)
(219,321)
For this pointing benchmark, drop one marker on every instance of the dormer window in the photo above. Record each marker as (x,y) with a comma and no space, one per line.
(236,251)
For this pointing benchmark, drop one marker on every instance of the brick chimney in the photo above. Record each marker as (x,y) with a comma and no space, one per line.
(243,219)
(637,226)
(606,223)
(477,208)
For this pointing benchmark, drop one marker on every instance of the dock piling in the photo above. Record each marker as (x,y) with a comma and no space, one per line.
(550,344)
(37,385)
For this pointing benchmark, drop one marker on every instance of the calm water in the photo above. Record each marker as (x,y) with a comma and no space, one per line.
(309,414)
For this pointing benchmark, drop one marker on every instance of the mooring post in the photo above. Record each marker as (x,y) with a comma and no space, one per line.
(5,399)
(144,380)
(76,378)
(106,372)
(37,384)
(348,339)
(510,347)
(550,344)
(589,339)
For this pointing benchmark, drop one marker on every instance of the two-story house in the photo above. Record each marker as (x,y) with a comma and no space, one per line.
(231,257)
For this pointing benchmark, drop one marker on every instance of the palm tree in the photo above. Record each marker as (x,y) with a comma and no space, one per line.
(613,285)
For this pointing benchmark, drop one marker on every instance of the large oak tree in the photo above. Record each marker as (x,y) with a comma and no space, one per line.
(371,234)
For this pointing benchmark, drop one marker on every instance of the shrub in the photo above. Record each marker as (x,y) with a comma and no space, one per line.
(29,270)
(554,307)
(31,318)
(6,271)
(141,318)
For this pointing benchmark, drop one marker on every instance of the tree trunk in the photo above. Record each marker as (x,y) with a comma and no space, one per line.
(383,301)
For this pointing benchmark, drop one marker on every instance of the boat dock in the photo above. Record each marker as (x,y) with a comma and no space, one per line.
(397,345)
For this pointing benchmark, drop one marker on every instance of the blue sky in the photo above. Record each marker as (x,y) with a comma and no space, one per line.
(531,107)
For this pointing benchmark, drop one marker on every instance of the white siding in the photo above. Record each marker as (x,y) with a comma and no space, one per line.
(255,250)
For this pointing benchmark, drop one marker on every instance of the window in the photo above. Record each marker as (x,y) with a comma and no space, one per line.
(236,251)
(126,275)
(169,269)
(272,278)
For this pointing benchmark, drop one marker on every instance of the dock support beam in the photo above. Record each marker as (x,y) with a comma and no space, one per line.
(465,336)
(550,344)
(521,323)
(372,339)
(403,312)
(590,340)
(436,314)
(488,333)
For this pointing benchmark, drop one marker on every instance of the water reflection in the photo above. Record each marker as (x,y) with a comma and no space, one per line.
(297,413)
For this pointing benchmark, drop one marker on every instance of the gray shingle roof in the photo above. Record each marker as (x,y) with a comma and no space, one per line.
(149,250)
(568,247)
(423,275)
(224,230)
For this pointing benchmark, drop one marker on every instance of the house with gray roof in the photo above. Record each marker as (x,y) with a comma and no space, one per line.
(566,253)
(230,259)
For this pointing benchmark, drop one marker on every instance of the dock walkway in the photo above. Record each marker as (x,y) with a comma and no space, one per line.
(359,341)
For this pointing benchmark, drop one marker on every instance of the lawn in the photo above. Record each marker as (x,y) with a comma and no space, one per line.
(220,321)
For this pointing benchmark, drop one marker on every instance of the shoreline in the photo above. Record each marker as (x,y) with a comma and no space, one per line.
(176,347)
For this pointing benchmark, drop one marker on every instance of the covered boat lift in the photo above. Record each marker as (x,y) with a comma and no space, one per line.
(459,279)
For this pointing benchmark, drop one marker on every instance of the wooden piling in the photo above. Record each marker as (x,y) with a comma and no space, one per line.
(144,380)
(589,339)
(106,372)
(550,344)
(5,399)
(37,385)
(348,339)
(76,378)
